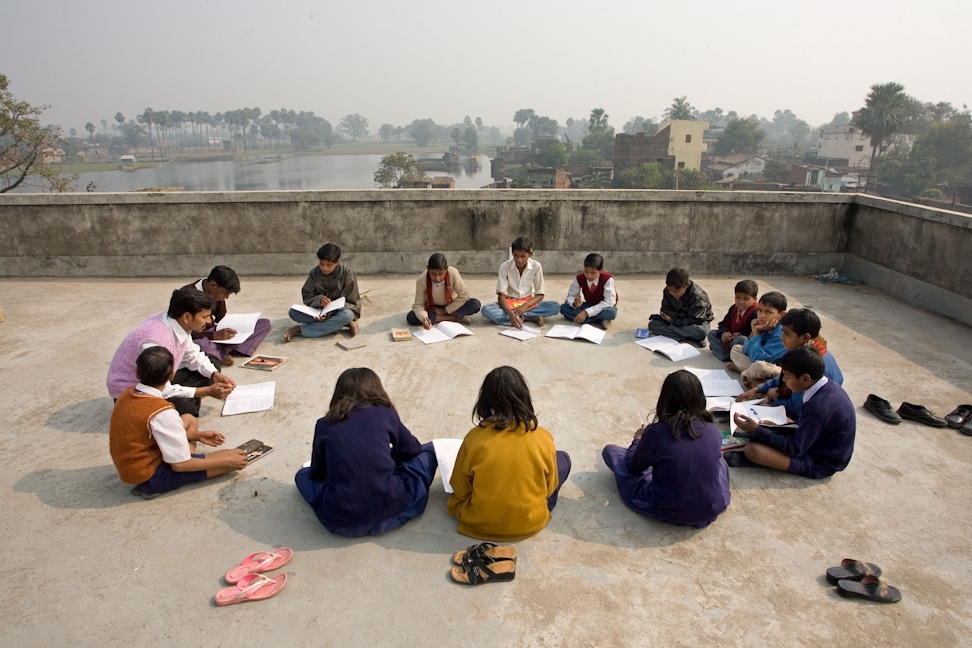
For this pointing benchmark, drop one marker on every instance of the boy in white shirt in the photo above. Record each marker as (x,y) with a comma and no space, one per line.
(591,298)
(520,289)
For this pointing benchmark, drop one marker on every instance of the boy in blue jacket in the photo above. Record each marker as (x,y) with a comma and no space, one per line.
(800,327)
(764,344)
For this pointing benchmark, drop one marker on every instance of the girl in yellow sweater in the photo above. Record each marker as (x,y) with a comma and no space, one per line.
(518,471)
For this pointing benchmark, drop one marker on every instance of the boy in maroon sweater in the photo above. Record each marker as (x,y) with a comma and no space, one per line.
(737,325)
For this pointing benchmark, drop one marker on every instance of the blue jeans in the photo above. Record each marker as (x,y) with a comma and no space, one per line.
(417,474)
(311,328)
(694,332)
(493,311)
(715,344)
(570,312)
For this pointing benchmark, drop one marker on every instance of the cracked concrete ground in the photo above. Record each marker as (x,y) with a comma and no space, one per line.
(87,564)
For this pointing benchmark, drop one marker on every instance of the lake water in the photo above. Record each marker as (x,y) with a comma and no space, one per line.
(303,172)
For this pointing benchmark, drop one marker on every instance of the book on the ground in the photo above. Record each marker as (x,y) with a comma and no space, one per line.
(445,453)
(582,332)
(332,306)
(719,406)
(243,323)
(730,442)
(641,334)
(254,449)
(401,334)
(351,343)
(265,362)
(525,333)
(672,349)
(442,332)
(762,414)
(717,382)
(249,398)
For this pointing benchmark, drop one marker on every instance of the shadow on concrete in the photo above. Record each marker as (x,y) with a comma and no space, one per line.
(759,478)
(272,512)
(96,487)
(84,417)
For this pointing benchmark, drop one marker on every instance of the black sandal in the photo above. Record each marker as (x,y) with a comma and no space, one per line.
(488,552)
(476,572)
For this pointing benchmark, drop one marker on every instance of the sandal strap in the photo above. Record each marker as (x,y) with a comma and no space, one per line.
(267,560)
(474,571)
(257,583)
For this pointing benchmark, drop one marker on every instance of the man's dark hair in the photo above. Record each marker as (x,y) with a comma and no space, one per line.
(594,260)
(677,278)
(329,252)
(522,244)
(153,366)
(774,299)
(189,300)
(747,287)
(803,360)
(802,321)
(225,277)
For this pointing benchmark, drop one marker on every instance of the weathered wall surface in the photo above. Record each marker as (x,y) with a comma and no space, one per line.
(917,254)
(395,231)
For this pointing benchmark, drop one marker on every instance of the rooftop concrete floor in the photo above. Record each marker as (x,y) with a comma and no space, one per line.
(88,564)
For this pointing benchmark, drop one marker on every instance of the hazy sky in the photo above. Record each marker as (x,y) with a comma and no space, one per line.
(394,61)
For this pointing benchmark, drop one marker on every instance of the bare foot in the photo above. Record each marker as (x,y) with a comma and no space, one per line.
(731,367)
(465,320)
(353,325)
(539,320)
(291,333)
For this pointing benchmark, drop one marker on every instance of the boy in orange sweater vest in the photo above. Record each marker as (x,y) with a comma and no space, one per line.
(151,445)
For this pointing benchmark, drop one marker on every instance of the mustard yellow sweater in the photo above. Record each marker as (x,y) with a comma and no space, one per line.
(502,480)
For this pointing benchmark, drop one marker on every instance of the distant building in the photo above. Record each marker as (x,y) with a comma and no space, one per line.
(845,143)
(443,182)
(415,183)
(678,144)
(740,165)
(548,178)
(821,178)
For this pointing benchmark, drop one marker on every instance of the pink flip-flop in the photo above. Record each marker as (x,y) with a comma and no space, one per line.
(259,562)
(251,587)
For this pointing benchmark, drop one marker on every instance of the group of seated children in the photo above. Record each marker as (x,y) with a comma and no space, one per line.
(368,474)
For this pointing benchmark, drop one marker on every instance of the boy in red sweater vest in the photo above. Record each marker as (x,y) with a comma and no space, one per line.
(591,298)
(151,445)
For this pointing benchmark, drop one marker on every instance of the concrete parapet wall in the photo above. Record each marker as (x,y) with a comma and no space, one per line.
(899,247)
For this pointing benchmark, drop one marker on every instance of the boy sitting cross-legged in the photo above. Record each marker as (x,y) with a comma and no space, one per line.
(151,445)
(824,438)
(685,310)
(737,325)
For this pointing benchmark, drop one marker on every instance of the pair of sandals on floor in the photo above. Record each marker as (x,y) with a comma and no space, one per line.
(856,579)
(247,579)
(486,562)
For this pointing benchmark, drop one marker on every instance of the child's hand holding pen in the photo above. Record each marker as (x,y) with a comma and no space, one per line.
(641,428)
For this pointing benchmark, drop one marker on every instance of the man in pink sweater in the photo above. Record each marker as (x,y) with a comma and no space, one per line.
(189,310)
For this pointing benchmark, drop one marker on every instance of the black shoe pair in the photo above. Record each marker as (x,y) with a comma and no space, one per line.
(919,413)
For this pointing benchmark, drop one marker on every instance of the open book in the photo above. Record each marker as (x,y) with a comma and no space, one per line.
(243,323)
(334,305)
(582,332)
(254,449)
(442,332)
(250,398)
(717,382)
(671,349)
(445,453)
(525,333)
(760,413)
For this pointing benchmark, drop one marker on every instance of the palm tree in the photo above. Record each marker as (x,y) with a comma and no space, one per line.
(598,121)
(883,115)
(680,109)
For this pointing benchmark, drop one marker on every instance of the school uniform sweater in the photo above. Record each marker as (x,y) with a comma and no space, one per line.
(354,461)
(766,346)
(824,438)
(502,480)
(134,451)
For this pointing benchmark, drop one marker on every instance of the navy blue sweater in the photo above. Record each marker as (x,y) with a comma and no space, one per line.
(824,439)
(356,458)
